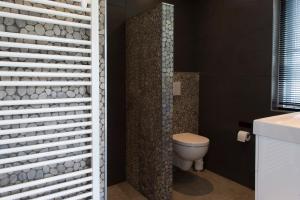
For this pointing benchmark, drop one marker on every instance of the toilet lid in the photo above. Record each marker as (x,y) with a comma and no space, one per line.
(189,139)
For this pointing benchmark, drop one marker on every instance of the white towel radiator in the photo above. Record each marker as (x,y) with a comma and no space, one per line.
(58,128)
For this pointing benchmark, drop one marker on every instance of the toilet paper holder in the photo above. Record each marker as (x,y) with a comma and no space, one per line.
(245,131)
(243,136)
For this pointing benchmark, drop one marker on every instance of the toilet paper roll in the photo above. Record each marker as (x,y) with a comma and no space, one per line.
(243,136)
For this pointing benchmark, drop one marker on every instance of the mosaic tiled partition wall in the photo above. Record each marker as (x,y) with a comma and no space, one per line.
(48,92)
(186,105)
(149,79)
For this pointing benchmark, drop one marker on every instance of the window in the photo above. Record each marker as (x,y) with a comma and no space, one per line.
(286,55)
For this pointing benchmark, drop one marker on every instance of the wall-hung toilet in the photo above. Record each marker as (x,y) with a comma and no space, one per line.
(189,148)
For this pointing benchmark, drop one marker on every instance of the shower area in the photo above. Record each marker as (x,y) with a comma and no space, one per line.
(149,101)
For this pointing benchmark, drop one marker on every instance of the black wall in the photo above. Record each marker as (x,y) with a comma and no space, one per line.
(184,30)
(234,49)
(184,35)
(116,136)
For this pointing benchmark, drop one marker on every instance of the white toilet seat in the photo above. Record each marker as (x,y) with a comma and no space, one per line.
(190,140)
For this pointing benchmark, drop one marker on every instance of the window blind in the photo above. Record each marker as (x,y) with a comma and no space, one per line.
(286,55)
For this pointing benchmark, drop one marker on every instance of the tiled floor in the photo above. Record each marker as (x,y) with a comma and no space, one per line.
(191,186)
(123,191)
(207,186)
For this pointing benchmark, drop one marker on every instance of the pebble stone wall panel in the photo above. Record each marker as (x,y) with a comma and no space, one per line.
(19,92)
(102,97)
(149,79)
(186,105)
(167,99)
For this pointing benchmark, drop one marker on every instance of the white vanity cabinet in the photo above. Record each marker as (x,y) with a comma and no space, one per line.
(277,157)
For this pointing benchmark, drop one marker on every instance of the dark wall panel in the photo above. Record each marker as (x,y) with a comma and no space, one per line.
(185,36)
(116,92)
(234,48)
(184,29)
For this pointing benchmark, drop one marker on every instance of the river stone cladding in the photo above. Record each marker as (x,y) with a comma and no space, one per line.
(24,93)
(186,105)
(149,83)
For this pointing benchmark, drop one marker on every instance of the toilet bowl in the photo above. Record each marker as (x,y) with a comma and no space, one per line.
(189,148)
